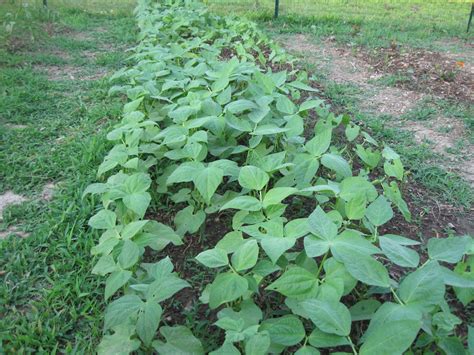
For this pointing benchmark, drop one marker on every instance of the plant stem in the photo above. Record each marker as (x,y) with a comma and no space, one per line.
(396,296)
(321,264)
(352,345)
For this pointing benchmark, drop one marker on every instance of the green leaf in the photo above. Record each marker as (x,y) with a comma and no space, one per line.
(450,250)
(245,203)
(297,228)
(274,247)
(321,225)
(364,310)
(179,340)
(105,265)
(129,254)
(296,282)
(394,337)
(379,212)
(321,339)
(184,173)
(226,288)
(364,268)
(330,317)
(138,202)
(104,219)
(187,221)
(318,145)
(207,182)
(423,287)
(239,106)
(116,280)
(287,330)
(165,287)
(314,246)
(119,343)
(307,350)
(337,163)
(253,178)
(258,344)
(276,195)
(352,131)
(246,256)
(451,345)
(394,169)
(356,207)
(452,278)
(120,310)
(354,186)
(148,321)
(213,258)
(399,254)
(131,229)
(285,105)
(231,241)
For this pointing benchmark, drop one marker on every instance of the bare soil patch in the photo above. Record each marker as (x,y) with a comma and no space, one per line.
(13,230)
(10,198)
(429,72)
(69,72)
(392,101)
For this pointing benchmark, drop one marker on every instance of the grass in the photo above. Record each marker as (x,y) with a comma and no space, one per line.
(372,23)
(53,130)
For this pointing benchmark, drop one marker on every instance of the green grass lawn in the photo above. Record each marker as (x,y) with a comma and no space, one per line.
(421,23)
(54,112)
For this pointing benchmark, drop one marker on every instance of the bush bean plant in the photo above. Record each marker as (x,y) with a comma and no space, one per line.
(219,122)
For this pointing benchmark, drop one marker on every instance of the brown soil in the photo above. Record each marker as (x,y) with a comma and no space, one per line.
(429,72)
(9,198)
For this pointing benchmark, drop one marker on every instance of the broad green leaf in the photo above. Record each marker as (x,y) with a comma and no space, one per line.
(337,163)
(321,225)
(364,309)
(207,181)
(451,345)
(184,173)
(138,202)
(399,254)
(392,338)
(119,311)
(307,350)
(274,247)
(350,240)
(318,145)
(104,219)
(231,241)
(297,228)
(239,106)
(179,340)
(119,343)
(129,254)
(296,282)
(165,287)
(379,212)
(258,344)
(131,229)
(354,186)
(245,203)
(392,312)
(330,317)
(148,321)
(285,105)
(116,280)
(226,288)
(320,339)
(188,221)
(213,258)
(276,195)
(394,169)
(356,207)
(286,330)
(253,178)
(105,265)
(450,249)
(246,256)
(315,246)
(452,278)
(423,287)
(352,131)
(364,268)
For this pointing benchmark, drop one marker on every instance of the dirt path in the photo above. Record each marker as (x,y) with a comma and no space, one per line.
(418,78)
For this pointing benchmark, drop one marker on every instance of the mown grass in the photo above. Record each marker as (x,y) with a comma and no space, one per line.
(52,130)
(372,23)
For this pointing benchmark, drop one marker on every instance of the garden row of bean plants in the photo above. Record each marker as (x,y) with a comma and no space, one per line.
(219,122)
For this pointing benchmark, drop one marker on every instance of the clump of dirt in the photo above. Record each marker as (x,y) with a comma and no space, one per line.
(48,191)
(429,72)
(9,198)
